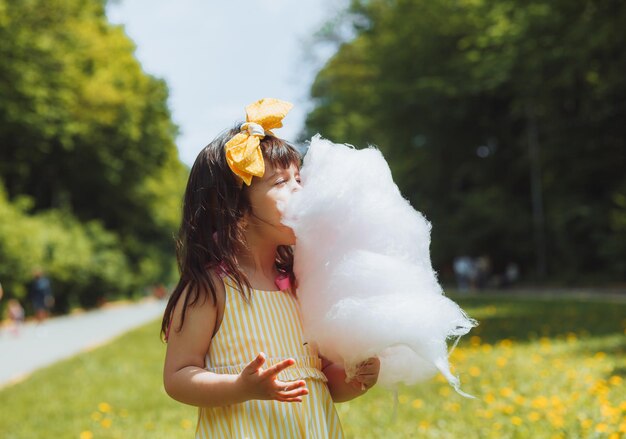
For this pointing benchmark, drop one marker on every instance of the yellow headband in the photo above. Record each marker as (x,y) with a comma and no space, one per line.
(243,152)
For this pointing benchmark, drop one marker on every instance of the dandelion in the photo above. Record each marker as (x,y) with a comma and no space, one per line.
(506,343)
(452,406)
(516,420)
(104,407)
(506,391)
(508,409)
(614,436)
(486,348)
(417,403)
(557,421)
(86,434)
(106,423)
(586,423)
(602,428)
(599,356)
(474,371)
(534,416)
(615,380)
(489,398)
(540,402)
(501,361)
(444,391)
(424,425)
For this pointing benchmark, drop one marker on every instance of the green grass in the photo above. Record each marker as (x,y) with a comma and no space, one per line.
(540,369)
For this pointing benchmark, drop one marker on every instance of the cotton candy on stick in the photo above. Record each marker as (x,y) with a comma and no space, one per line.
(365,280)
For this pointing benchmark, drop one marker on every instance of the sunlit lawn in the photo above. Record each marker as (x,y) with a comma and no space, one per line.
(539,369)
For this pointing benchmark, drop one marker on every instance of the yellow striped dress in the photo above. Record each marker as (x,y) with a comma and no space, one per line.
(270,323)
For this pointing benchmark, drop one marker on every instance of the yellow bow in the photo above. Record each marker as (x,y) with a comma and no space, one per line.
(243,152)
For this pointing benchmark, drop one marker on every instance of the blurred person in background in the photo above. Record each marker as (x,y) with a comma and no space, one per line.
(40,293)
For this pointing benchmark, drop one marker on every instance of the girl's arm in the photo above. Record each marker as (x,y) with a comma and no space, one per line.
(186,380)
(340,391)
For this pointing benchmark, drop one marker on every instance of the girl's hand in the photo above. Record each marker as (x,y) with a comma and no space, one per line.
(262,384)
(366,374)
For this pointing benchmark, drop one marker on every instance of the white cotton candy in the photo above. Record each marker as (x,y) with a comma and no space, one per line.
(365,280)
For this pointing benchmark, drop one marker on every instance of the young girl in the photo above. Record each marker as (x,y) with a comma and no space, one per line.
(235,341)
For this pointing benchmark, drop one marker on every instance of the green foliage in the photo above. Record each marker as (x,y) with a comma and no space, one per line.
(86,136)
(449,90)
(85,262)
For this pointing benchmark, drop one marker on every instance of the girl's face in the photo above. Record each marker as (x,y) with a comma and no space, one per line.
(268,195)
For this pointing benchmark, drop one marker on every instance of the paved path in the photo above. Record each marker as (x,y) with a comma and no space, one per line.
(61,337)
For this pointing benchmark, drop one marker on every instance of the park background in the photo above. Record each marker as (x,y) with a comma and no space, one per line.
(502,122)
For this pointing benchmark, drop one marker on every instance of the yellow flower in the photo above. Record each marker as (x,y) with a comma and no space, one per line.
(615,380)
(474,371)
(475,340)
(571,337)
(486,348)
(516,420)
(106,423)
(506,343)
(586,423)
(508,409)
(534,416)
(622,406)
(489,398)
(506,391)
(424,425)
(555,400)
(602,428)
(614,436)
(444,391)
(186,424)
(519,400)
(540,402)
(86,434)
(104,407)
(501,361)
(417,403)
(599,356)
(622,427)
(452,406)
(557,421)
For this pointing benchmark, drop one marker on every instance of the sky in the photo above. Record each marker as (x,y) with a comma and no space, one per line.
(219,56)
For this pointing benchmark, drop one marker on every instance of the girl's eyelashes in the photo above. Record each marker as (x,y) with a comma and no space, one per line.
(281,181)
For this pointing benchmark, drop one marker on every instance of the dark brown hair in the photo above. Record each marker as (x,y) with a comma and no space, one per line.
(211,230)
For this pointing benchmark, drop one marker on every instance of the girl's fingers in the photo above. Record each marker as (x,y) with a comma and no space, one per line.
(279,367)
(284,387)
(294,393)
(256,364)
(290,400)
